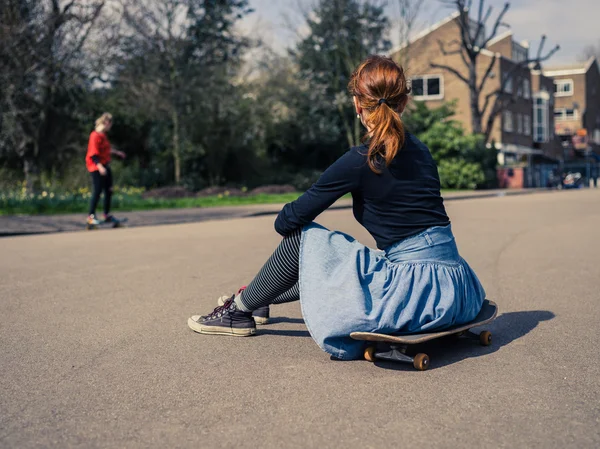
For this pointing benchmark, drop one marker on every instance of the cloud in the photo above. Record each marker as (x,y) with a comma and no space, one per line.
(573,24)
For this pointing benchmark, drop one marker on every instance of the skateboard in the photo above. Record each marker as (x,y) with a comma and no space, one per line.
(113,224)
(394,347)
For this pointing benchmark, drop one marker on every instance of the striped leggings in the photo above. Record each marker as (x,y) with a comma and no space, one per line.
(277,280)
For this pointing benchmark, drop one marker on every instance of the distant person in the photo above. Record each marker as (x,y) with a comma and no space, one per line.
(416,282)
(97,162)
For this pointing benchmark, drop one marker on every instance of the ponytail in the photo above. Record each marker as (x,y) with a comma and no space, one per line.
(387,136)
(381,90)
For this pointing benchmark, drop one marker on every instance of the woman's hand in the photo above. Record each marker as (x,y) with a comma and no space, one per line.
(101,169)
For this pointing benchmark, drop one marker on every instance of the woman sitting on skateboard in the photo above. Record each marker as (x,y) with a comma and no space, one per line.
(415,282)
(97,162)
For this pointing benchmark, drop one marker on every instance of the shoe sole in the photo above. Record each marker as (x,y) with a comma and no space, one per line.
(218,330)
(260,321)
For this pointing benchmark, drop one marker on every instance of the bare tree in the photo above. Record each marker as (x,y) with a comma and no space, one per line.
(157,30)
(473,41)
(41,68)
(408,13)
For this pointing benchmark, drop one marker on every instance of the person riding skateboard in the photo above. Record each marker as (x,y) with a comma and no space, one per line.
(416,281)
(97,161)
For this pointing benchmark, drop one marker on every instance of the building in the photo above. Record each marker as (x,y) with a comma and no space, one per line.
(576,94)
(523,130)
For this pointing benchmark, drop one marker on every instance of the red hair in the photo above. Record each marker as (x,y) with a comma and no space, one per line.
(380,88)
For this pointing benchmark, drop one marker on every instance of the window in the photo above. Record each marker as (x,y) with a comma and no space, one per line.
(428,87)
(563,88)
(508,121)
(541,117)
(508,86)
(527,125)
(526,89)
(597,136)
(564,114)
(519,123)
(519,53)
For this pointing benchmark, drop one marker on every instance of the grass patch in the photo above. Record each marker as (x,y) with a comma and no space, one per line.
(122,201)
(126,200)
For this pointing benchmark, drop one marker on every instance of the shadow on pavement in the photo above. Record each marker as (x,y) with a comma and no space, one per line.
(284,319)
(505,329)
(282,332)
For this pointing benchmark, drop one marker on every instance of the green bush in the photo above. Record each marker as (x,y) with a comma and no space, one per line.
(460,174)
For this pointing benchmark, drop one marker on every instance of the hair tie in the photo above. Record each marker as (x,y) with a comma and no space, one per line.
(383,100)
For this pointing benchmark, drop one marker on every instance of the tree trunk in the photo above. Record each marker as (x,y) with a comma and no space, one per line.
(474,99)
(30,172)
(176,147)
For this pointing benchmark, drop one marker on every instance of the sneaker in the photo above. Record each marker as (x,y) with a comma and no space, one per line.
(261,315)
(92,220)
(110,219)
(224,320)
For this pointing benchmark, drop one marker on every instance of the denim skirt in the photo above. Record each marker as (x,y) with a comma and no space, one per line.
(418,284)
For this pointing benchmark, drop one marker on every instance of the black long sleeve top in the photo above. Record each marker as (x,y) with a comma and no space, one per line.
(403,200)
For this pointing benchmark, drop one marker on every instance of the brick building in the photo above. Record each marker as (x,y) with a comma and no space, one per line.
(576,94)
(524,130)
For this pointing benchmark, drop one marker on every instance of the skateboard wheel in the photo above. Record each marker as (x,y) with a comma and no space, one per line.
(370,354)
(421,362)
(485,338)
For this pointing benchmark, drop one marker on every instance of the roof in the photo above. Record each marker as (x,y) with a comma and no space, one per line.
(500,37)
(569,69)
(426,31)
(437,25)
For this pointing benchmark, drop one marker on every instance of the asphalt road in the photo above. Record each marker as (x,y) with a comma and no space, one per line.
(95,350)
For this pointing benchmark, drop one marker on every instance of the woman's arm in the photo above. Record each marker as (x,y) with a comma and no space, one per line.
(340,178)
(121,154)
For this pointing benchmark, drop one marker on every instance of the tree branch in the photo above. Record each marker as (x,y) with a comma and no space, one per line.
(480,20)
(446,52)
(451,70)
(487,73)
(497,25)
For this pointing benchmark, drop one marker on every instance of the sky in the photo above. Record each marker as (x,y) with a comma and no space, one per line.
(573,25)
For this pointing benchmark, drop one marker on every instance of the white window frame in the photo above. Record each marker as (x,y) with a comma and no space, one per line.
(526,125)
(526,89)
(564,117)
(425,96)
(560,87)
(508,122)
(545,108)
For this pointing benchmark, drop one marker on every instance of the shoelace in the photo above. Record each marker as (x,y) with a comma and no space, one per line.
(220,311)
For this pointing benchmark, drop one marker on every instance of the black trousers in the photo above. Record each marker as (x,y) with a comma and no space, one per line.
(101,184)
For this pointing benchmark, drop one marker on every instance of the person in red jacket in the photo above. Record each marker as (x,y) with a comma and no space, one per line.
(97,162)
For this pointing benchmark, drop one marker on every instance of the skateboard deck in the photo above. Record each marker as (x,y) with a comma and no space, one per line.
(119,224)
(397,344)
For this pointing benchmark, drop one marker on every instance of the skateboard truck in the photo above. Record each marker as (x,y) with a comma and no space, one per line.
(397,353)
(395,347)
